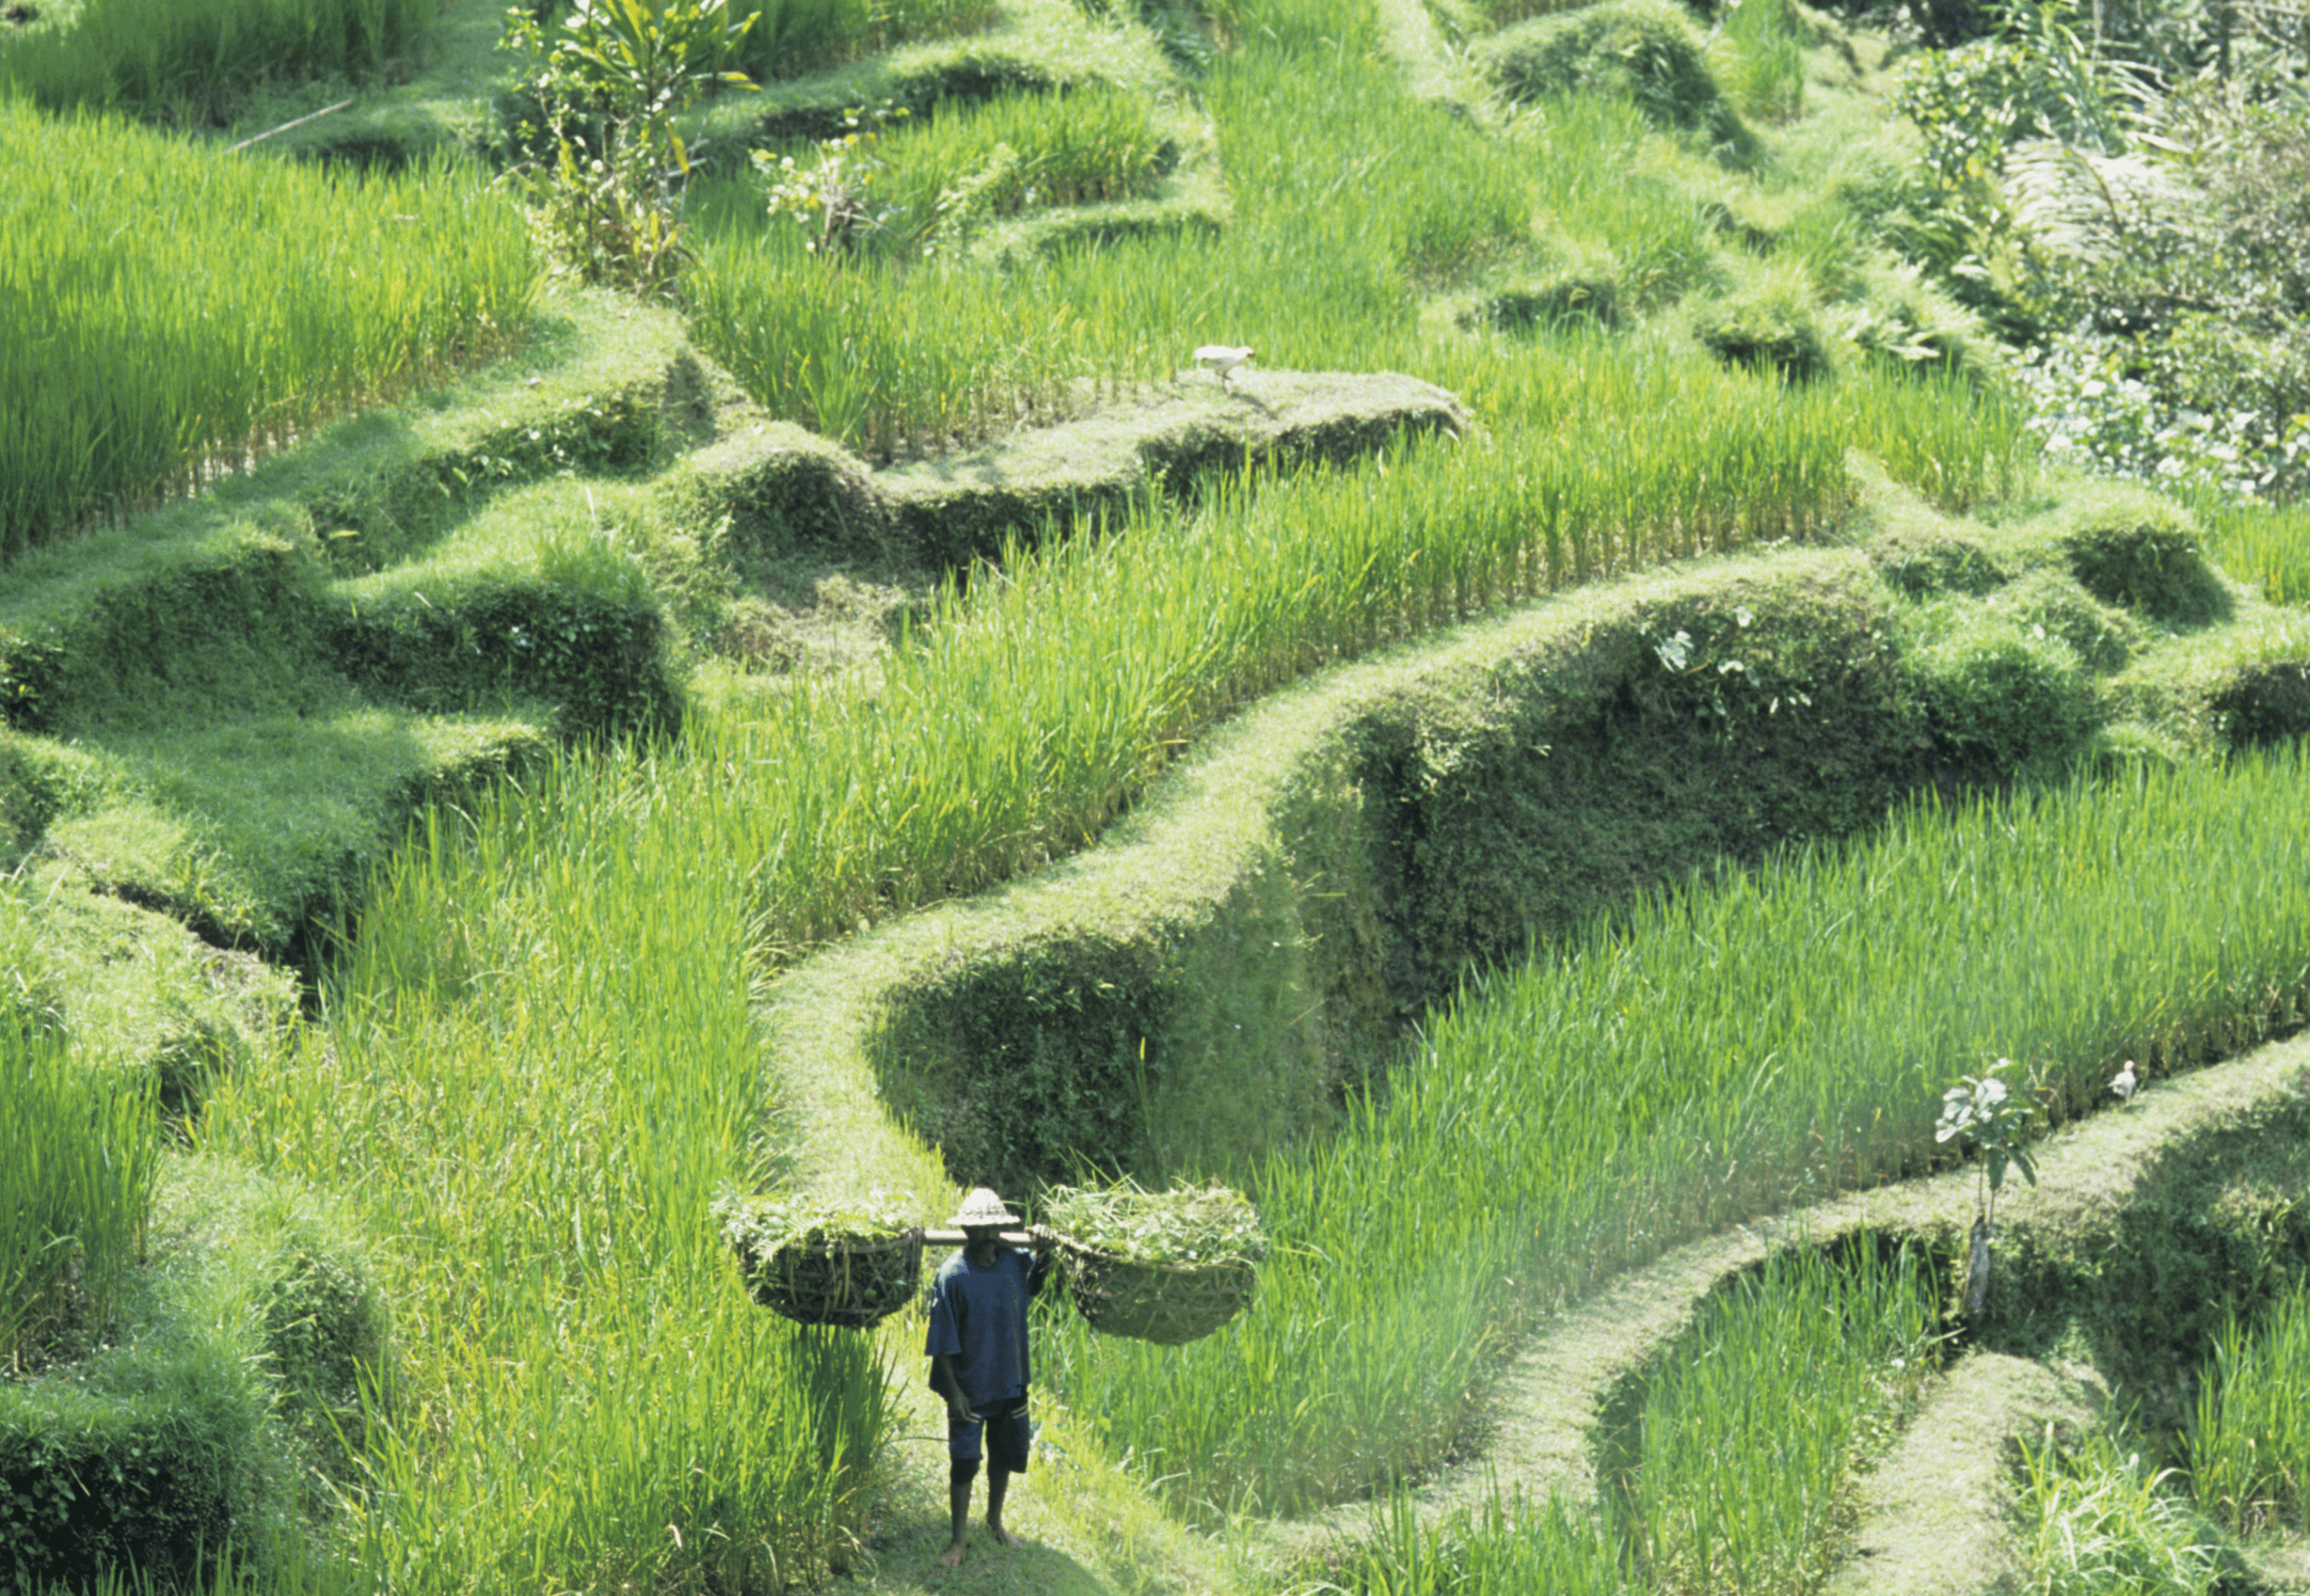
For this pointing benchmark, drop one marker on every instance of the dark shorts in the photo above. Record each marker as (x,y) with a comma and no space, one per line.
(1005,1432)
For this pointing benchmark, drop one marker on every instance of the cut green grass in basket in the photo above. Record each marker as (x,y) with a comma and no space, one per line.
(1196,1224)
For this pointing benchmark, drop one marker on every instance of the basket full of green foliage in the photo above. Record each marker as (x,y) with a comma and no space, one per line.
(851,1262)
(1159,1266)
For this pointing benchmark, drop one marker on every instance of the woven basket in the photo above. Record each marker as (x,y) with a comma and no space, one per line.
(1165,1303)
(854,1281)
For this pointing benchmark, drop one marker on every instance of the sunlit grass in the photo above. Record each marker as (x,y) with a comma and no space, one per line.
(539,1068)
(197,58)
(170,309)
(1719,1053)
(1740,1470)
(2250,1450)
(80,1154)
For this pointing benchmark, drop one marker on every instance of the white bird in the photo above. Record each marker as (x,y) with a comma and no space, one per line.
(1222,357)
(2124,1082)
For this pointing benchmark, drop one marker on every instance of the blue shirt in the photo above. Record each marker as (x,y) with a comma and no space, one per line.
(978,1318)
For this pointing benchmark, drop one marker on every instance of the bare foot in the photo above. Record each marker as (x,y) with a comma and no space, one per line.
(1002,1537)
(952,1557)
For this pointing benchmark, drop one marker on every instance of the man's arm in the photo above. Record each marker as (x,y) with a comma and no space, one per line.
(943,1381)
(1045,1242)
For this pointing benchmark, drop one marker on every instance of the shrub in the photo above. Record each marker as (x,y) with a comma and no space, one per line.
(146,1461)
(575,625)
(2000,701)
(1929,561)
(2141,553)
(1772,325)
(2049,603)
(1642,50)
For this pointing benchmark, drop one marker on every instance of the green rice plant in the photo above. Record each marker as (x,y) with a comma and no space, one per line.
(2093,1520)
(2250,1450)
(196,59)
(171,310)
(537,1098)
(1506,1548)
(2265,545)
(1759,59)
(1711,1054)
(792,37)
(1008,155)
(1736,1465)
(79,1152)
(1960,447)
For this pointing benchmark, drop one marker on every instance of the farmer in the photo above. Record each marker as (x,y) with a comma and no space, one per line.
(977,1348)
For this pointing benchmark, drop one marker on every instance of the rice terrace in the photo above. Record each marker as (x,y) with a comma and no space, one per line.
(1561,744)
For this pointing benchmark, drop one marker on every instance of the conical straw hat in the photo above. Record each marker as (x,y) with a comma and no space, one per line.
(982,1207)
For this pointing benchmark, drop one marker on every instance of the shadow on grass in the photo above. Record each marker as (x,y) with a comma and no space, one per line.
(906,1551)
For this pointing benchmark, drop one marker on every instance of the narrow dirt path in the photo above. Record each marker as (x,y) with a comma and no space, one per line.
(1941,1491)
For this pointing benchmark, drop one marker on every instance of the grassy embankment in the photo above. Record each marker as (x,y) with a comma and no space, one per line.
(863,854)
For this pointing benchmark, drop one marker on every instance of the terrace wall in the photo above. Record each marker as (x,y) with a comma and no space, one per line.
(1236,956)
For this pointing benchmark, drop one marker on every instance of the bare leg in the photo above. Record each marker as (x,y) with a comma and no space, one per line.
(998,1485)
(961,1473)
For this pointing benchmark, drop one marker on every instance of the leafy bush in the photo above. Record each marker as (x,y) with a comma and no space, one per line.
(1642,50)
(1925,563)
(575,624)
(2000,700)
(2103,636)
(146,1459)
(2143,556)
(1774,325)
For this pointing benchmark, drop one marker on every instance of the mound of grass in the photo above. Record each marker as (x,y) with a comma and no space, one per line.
(231,1370)
(772,488)
(1645,51)
(138,995)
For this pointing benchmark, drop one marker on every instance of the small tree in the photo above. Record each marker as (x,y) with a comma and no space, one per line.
(611,193)
(1984,1110)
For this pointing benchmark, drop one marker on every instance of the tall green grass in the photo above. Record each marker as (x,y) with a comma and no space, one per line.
(2095,1519)
(1718,1054)
(539,1069)
(1028,711)
(80,1153)
(166,311)
(1505,1547)
(1023,151)
(792,37)
(192,58)
(2250,1450)
(1728,1468)
(1741,1461)
(1759,60)
(2266,545)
